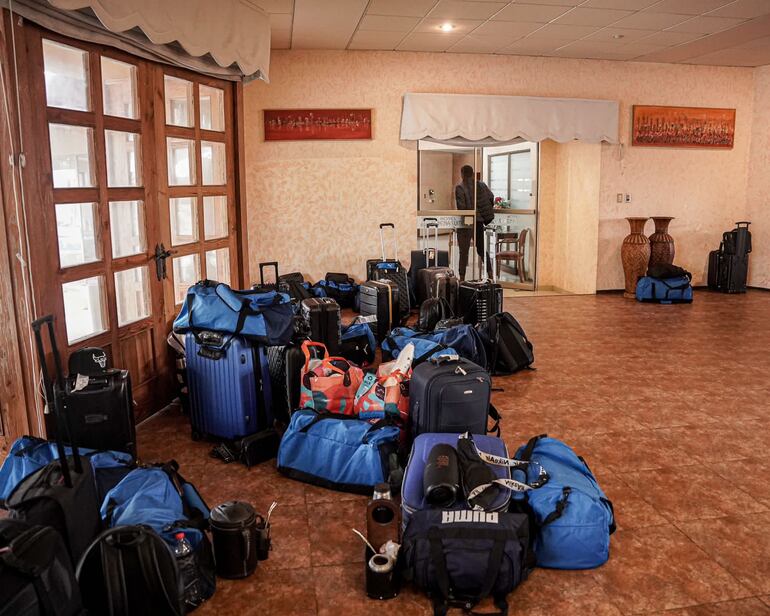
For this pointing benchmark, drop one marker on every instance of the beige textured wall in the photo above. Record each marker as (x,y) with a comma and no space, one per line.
(436,173)
(758,197)
(315,206)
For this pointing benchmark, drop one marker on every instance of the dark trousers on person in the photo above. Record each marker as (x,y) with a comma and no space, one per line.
(464,244)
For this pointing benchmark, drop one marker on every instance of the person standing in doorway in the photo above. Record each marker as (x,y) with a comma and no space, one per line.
(484,215)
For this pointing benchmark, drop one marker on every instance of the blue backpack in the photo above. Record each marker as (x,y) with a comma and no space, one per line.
(664,290)
(340,452)
(572,517)
(462,340)
(262,317)
(30,453)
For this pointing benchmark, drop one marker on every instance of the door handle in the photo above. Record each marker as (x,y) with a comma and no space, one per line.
(161,254)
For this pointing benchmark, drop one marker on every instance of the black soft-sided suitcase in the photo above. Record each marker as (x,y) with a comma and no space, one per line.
(439,282)
(449,396)
(285,363)
(427,255)
(715,262)
(478,300)
(737,241)
(36,575)
(733,272)
(391,269)
(101,415)
(380,298)
(322,314)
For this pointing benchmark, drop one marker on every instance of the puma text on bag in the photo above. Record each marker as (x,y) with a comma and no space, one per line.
(461,557)
(571,516)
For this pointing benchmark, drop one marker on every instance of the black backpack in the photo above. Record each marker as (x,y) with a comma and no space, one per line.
(432,311)
(507,346)
(131,570)
(36,576)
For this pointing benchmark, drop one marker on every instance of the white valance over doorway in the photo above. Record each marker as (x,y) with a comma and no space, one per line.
(488,119)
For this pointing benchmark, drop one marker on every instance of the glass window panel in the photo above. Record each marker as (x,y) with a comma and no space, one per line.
(132,295)
(124,158)
(212,108)
(119,88)
(184,220)
(71,155)
(84,308)
(181,161)
(498,176)
(213,163)
(179,101)
(187,271)
(218,265)
(66,76)
(76,229)
(521,180)
(214,217)
(127,228)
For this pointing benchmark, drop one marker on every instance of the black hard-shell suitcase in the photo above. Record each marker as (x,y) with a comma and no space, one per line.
(449,395)
(391,269)
(36,575)
(285,363)
(426,281)
(322,314)
(426,256)
(478,300)
(380,298)
(62,494)
(715,261)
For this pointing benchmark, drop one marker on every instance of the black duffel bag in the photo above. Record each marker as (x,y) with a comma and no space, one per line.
(508,348)
(460,557)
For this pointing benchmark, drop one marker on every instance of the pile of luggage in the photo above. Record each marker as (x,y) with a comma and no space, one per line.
(729,265)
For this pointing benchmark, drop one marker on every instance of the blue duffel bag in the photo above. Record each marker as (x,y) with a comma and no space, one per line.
(664,290)
(572,517)
(262,317)
(340,452)
(461,339)
(30,453)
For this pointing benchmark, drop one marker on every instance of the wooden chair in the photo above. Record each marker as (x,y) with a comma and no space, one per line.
(514,251)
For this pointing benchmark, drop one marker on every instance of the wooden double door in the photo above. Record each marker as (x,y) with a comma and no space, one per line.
(130,188)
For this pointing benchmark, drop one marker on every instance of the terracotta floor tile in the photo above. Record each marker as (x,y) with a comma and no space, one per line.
(766,600)
(713,442)
(741,607)
(751,475)
(332,541)
(740,544)
(690,492)
(290,539)
(548,592)
(659,568)
(631,510)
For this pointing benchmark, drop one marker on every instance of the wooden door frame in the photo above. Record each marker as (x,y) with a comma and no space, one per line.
(22,413)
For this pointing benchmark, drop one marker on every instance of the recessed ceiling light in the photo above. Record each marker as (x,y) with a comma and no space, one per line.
(618,36)
(446,27)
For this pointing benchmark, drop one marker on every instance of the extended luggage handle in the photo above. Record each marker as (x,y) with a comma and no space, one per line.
(430,252)
(262,267)
(53,402)
(383,226)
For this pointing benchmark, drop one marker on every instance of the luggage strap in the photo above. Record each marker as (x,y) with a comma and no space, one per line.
(442,603)
(511,484)
(33,572)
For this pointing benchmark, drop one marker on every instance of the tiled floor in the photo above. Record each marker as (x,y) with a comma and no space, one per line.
(670,405)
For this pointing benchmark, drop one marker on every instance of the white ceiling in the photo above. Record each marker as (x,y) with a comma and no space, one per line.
(715,32)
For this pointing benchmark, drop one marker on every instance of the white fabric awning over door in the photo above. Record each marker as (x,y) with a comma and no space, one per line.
(231,31)
(478,118)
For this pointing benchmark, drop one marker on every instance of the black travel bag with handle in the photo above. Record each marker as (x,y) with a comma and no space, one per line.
(428,255)
(285,364)
(62,494)
(381,298)
(451,394)
(478,300)
(36,575)
(391,269)
(322,316)
(508,348)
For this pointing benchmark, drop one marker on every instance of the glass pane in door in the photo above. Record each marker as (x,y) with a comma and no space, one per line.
(76,230)
(179,101)
(119,88)
(214,217)
(213,163)
(124,158)
(184,220)
(132,295)
(515,248)
(218,265)
(212,107)
(127,228)
(181,161)
(66,76)
(84,308)
(521,180)
(498,176)
(71,155)
(187,271)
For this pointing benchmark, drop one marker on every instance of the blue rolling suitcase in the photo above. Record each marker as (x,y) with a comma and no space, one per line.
(229,383)
(412,489)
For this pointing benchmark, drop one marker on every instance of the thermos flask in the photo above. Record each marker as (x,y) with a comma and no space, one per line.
(235,534)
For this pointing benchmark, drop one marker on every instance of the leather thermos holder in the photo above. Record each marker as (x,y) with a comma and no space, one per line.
(234,530)
(383,520)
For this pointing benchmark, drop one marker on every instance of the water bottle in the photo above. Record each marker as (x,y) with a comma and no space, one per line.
(182,547)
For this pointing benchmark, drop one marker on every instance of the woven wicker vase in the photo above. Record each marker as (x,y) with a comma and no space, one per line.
(661,243)
(635,254)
